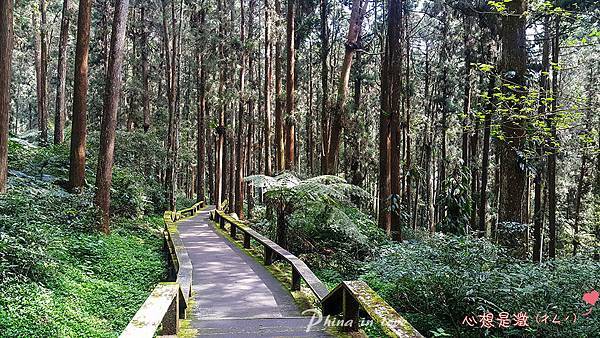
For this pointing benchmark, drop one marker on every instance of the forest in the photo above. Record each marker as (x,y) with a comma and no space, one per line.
(445,152)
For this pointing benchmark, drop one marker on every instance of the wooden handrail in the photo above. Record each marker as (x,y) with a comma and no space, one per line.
(272,250)
(160,308)
(168,301)
(347,298)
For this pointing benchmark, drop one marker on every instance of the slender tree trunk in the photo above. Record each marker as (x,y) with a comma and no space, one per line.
(290,124)
(578,195)
(469,142)
(172,87)
(324,36)
(61,104)
(553,146)
(41,72)
(109,119)
(239,179)
(309,116)
(80,89)
(145,71)
(407,167)
(445,59)
(268,139)
(210,161)
(538,216)
(279,123)
(485,153)
(6,47)
(428,147)
(201,120)
(359,8)
(485,162)
(38,65)
(220,144)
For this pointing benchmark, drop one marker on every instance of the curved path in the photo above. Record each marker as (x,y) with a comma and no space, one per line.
(234,295)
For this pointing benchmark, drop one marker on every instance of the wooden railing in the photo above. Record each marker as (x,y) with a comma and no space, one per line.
(168,302)
(176,215)
(300,270)
(351,299)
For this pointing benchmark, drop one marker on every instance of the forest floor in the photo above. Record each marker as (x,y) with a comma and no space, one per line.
(60,277)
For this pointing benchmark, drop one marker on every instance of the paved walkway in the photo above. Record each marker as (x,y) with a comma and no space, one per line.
(235,296)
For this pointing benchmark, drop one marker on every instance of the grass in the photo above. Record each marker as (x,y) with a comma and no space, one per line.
(98,286)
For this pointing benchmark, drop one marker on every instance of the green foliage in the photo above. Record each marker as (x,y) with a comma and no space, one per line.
(454,197)
(435,283)
(330,232)
(60,277)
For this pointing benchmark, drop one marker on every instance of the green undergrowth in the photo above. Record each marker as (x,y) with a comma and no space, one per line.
(436,281)
(59,276)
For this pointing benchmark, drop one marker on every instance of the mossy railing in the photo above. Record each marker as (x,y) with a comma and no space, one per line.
(176,215)
(353,299)
(168,302)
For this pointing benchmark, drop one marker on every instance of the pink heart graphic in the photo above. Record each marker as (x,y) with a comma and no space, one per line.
(591,297)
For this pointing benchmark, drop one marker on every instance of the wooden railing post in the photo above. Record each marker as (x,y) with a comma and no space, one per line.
(295,279)
(268,255)
(246,240)
(170,323)
(221,222)
(351,311)
(182,306)
(233,230)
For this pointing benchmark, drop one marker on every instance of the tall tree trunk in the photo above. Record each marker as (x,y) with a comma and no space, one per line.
(359,8)
(324,36)
(279,123)
(80,90)
(290,123)
(578,195)
(239,178)
(553,145)
(469,142)
(6,47)
(220,144)
(445,59)
(172,86)
(109,118)
(392,104)
(485,152)
(201,118)
(268,139)
(61,104)
(538,216)
(514,66)
(406,119)
(383,183)
(428,146)
(145,70)
(210,161)
(309,146)
(41,72)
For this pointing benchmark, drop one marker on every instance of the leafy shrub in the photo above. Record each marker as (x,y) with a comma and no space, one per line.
(330,232)
(437,282)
